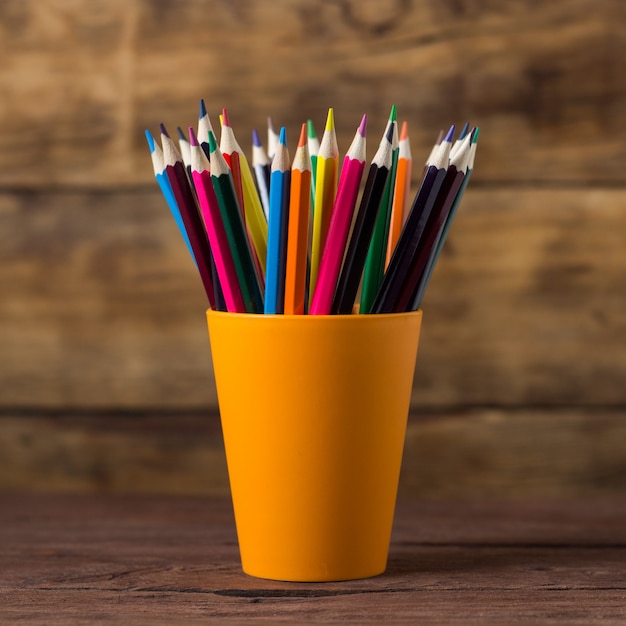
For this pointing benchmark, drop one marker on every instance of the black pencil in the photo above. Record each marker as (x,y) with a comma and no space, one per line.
(414,227)
(356,253)
(432,260)
(439,214)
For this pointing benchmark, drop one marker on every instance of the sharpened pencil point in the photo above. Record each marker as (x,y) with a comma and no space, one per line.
(310,129)
(391,131)
(363,125)
(404,133)
(270,124)
(225,118)
(193,140)
(212,142)
(150,139)
(450,133)
(163,130)
(330,120)
(393,115)
(283,136)
(464,131)
(303,136)
(202,109)
(256,140)
(181,134)
(475,133)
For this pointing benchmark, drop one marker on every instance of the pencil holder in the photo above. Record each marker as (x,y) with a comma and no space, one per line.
(314,412)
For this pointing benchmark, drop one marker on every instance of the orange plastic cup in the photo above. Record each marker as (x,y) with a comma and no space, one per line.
(314,412)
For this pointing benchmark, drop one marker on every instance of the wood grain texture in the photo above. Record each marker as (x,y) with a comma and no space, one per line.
(85,79)
(101,306)
(175,560)
(483,453)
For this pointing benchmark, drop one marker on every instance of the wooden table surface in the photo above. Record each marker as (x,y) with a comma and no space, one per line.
(152,559)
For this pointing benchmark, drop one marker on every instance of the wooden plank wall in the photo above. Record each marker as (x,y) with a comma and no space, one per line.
(102,328)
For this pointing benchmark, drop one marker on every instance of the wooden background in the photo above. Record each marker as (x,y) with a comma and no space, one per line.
(105,370)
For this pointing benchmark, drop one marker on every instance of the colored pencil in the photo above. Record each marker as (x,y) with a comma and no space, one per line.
(459,140)
(340,221)
(325,189)
(261,167)
(314,147)
(414,228)
(401,191)
(185,150)
(186,201)
(229,149)
(375,261)
(278,228)
(254,216)
(234,226)
(272,139)
(156,155)
(352,269)
(298,232)
(434,257)
(434,149)
(445,198)
(204,127)
(218,239)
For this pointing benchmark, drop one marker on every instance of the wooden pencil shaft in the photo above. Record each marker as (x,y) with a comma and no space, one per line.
(226,265)
(238,239)
(186,201)
(277,243)
(297,240)
(440,212)
(375,260)
(412,232)
(352,269)
(420,290)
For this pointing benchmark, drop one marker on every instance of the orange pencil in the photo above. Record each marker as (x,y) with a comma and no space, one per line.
(401,191)
(297,236)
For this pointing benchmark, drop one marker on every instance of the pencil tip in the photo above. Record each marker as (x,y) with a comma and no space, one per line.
(150,139)
(363,125)
(212,142)
(202,109)
(225,118)
(163,130)
(270,124)
(330,120)
(310,129)
(450,134)
(404,132)
(464,131)
(393,115)
(475,133)
(193,140)
(181,134)
(303,136)
(283,136)
(391,131)
(256,140)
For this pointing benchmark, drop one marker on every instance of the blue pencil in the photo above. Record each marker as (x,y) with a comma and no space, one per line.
(277,228)
(166,189)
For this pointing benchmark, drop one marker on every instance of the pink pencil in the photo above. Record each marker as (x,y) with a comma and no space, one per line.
(210,209)
(339,227)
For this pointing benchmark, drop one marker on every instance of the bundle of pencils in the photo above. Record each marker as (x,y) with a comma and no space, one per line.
(305,236)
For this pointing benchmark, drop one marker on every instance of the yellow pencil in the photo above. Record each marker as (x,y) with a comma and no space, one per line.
(325,189)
